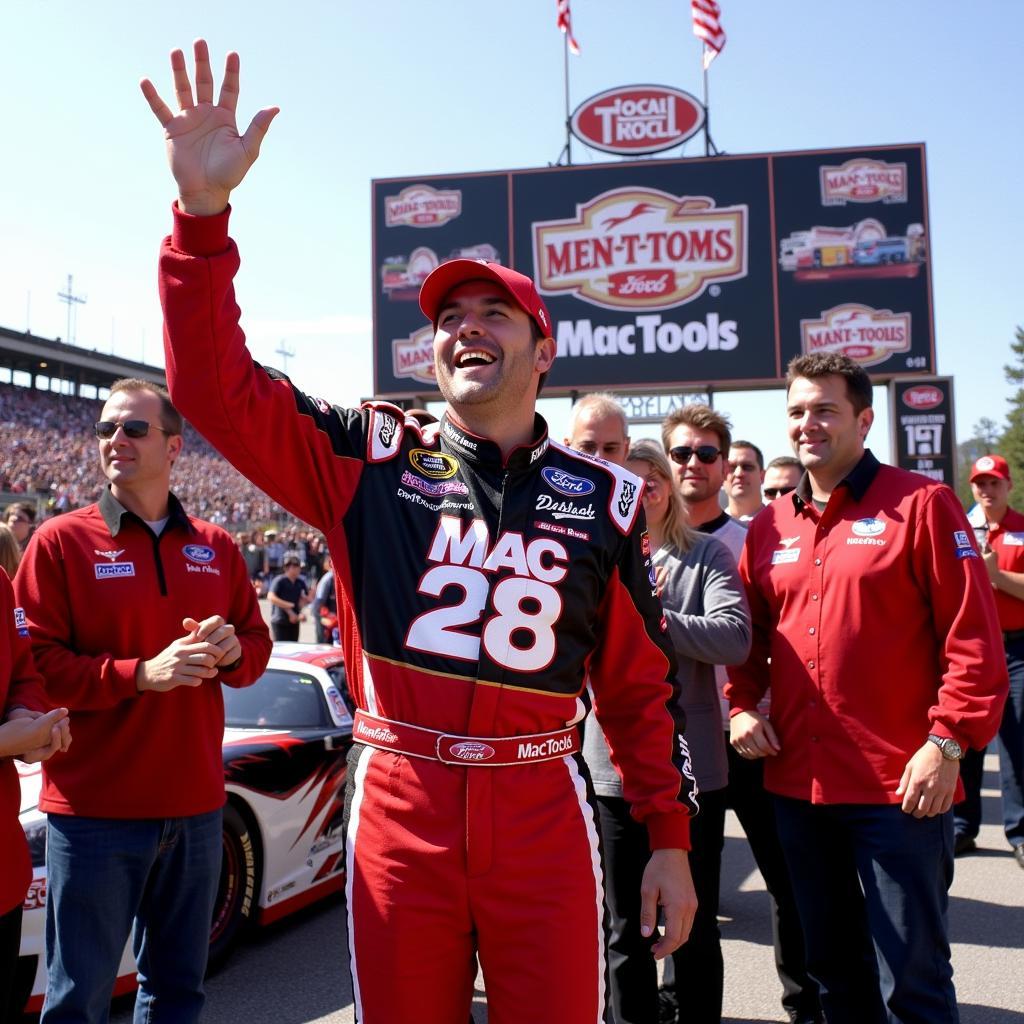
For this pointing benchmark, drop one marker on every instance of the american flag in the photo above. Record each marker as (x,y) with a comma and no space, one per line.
(565,24)
(707,25)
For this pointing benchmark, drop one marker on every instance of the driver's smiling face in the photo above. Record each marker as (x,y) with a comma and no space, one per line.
(484,347)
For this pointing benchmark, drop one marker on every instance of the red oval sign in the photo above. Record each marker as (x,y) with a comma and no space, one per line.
(923,396)
(637,119)
(471,750)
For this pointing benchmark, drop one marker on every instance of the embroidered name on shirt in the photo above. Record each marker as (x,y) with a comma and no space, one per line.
(113,570)
(784,555)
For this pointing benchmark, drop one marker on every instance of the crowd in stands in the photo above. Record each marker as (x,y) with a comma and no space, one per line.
(49,456)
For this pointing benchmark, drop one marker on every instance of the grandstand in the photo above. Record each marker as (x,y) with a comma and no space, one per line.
(50,395)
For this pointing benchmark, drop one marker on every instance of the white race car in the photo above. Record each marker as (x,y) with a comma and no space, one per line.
(286,739)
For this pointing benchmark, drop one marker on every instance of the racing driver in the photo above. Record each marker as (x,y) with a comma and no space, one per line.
(484,573)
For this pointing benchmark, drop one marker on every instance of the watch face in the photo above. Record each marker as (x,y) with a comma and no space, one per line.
(953,749)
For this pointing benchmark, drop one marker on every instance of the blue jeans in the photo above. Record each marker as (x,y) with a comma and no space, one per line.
(871,885)
(105,873)
(1011,746)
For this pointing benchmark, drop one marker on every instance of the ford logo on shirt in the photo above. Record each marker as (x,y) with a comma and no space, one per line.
(566,483)
(868,527)
(199,553)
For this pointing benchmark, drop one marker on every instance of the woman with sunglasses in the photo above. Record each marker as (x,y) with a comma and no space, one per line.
(709,624)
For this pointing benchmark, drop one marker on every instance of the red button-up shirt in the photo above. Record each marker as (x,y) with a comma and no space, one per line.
(874,624)
(1006,539)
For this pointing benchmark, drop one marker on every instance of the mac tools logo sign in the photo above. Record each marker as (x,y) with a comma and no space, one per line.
(637,248)
(637,119)
(863,181)
(866,335)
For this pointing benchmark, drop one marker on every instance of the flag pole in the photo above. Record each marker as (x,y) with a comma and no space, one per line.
(707,111)
(568,121)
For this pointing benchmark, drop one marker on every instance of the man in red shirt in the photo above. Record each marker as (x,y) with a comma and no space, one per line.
(874,625)
(137,613)
(1002,530)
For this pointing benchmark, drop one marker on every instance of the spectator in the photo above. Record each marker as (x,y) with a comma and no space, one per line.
(698,435)
(743,479)
(275,553)
(1000,529)
(781,476)
(324,608)
(865,575)
(708,623)
(598,427)
(30,733)
(696,439)
(10,553)
(138,612)
(288,594)
(20,518)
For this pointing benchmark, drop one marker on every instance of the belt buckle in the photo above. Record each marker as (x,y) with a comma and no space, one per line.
(464,750)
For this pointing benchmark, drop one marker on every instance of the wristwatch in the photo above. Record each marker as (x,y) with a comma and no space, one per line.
(951,750)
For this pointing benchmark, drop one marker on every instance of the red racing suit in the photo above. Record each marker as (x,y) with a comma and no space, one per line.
(476,594)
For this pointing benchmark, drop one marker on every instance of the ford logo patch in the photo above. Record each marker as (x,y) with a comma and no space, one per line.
(566,483)
(199,553)
(470,750)
(868,527)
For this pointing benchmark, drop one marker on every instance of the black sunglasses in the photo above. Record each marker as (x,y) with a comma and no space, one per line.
(706,453)
(105,429)
(775,492)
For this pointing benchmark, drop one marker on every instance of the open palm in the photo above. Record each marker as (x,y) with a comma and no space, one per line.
(208,157)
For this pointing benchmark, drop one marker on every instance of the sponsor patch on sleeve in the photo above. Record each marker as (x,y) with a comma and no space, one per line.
(20,622)
(964,545)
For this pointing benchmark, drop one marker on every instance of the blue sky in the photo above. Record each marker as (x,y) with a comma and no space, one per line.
(405,88)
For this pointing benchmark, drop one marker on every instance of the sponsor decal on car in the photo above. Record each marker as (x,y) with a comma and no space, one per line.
(863,181)
(113,570)
(422,206)
(641,249)
(437,465)
(199,553)
(867,336)
(567,483)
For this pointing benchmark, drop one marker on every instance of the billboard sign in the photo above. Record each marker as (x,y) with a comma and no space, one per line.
(669,275)
(636,119)
(924,439)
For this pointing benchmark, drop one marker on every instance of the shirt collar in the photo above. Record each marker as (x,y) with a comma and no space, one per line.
(857,481)
(715,524)
(483,452)
(113,513)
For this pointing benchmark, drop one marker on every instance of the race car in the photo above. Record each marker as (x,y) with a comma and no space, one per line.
(286,739)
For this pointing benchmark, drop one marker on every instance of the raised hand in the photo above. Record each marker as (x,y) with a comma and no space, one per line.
(208,157)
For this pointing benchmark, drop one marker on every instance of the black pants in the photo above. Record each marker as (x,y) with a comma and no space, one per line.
(755,810)
(10,942)
(698,964)
(285,630)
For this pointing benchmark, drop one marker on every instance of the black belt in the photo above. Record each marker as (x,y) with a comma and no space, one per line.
(1013,635)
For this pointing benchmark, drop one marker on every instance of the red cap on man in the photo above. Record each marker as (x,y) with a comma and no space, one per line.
(990,465)
(521,289)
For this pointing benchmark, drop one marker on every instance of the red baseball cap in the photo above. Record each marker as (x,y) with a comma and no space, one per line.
(990,465)
(443,279)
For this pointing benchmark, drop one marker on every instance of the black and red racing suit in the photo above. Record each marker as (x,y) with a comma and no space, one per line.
(477,594)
